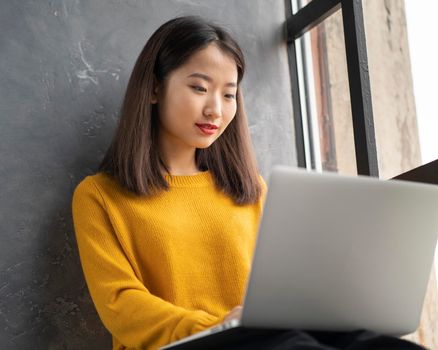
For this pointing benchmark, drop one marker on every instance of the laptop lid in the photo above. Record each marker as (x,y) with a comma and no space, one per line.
(342,253)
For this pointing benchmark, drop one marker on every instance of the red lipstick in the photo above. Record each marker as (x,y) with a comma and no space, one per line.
(207,129)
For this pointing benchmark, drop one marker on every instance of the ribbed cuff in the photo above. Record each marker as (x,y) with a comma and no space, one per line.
(194,322)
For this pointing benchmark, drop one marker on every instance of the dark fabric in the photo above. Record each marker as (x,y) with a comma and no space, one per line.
(300,340)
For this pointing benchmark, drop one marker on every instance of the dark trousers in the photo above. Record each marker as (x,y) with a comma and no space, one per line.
(300,340)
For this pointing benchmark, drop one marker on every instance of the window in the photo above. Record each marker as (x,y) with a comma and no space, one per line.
(318,133)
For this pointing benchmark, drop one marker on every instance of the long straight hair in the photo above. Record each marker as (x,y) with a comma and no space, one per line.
(133,158)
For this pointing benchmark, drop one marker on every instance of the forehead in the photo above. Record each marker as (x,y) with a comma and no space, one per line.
(212,61)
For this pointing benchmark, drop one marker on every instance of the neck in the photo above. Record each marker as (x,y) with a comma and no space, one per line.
(180,161)
(176,170)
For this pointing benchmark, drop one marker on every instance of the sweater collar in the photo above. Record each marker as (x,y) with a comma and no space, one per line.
(203,178)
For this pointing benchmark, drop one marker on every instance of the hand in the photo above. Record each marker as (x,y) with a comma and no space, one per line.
(235,313)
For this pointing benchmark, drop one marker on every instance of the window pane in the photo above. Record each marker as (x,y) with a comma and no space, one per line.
(299,4)
(328,92)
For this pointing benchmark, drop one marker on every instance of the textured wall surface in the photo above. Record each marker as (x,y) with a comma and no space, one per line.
(340,95)
(391,87)
(395,120)
(64,66)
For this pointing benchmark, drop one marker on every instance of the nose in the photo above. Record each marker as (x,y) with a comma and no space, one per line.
(213,107)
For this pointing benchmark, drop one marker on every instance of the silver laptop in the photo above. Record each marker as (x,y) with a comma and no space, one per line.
(337,253)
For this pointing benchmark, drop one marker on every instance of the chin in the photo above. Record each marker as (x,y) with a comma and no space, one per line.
(205,143)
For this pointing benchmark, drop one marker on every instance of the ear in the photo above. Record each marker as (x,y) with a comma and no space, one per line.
(155,91)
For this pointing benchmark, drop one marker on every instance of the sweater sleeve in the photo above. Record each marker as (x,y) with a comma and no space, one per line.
(133,315)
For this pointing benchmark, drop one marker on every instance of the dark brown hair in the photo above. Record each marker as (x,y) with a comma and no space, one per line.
(133,158)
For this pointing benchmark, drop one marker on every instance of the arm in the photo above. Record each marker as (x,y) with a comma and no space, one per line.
(128,310)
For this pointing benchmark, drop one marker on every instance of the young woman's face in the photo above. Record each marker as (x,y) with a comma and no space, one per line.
(198,100)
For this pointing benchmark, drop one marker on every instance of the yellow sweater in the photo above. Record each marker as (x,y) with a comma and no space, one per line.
(162,268)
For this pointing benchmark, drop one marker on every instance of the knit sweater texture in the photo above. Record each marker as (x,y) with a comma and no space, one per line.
(164,267)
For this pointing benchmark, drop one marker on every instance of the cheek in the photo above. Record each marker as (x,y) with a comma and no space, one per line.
(185,105)
(179,101)
(178,108)
(230,112)
(228,118)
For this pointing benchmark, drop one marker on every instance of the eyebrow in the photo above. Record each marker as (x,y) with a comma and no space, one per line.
(208,79)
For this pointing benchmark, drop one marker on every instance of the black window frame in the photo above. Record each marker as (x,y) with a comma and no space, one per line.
(304,20)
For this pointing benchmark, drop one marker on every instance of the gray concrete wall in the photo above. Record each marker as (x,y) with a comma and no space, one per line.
(64,66)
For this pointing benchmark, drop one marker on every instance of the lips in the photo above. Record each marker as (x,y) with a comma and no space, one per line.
(207,129)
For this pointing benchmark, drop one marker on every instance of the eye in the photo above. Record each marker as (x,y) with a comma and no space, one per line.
(199,88)
(230,96)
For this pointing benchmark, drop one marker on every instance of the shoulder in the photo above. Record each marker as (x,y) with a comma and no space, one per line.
(85,190)
(88,183)
(94,185)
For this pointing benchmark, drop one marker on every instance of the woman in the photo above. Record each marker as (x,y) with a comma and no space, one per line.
(166,229)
